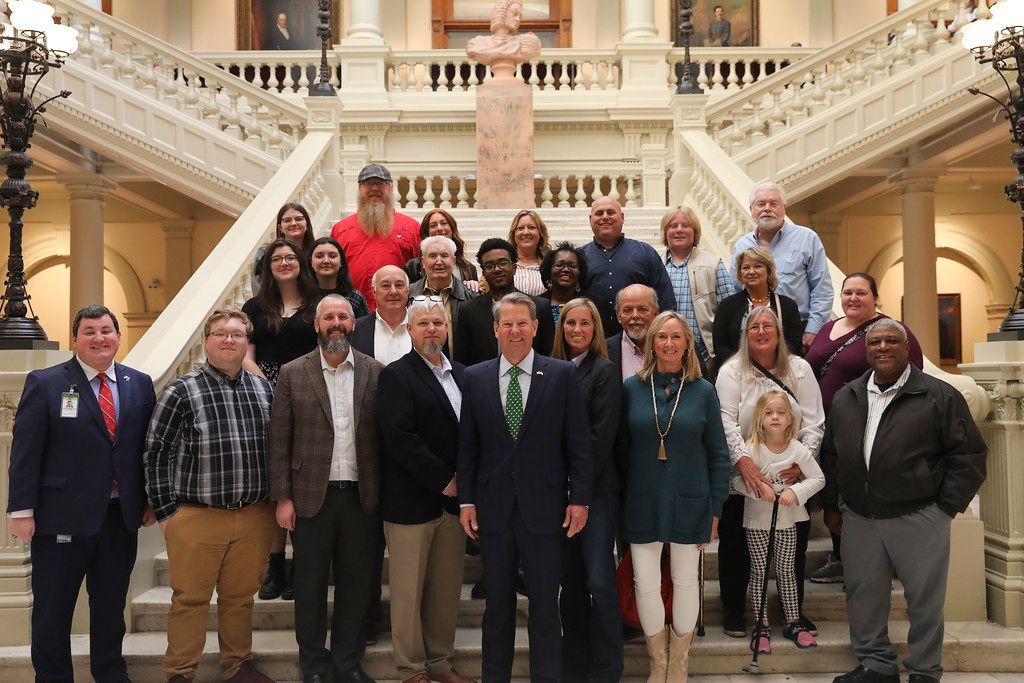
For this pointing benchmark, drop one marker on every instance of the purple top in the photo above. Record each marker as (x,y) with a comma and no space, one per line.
(851,363)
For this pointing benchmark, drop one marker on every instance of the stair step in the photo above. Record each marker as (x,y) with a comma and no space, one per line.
(822,603)
(817,548)
(967,647)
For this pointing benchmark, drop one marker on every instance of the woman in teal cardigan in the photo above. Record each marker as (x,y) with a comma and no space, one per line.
(677,477)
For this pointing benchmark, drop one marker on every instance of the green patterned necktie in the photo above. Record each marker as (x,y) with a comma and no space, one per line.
(514,403)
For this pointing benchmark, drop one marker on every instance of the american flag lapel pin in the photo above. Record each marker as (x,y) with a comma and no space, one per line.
(126,378)
(540,373)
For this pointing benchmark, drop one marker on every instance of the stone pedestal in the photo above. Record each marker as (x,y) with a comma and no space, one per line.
(15,561)
(999,369)
(504,145)
(688,113)
(965,589)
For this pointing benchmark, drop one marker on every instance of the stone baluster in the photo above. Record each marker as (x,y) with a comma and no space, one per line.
(733,80)
(613,190)
(716,76)
(563,77)
(748,72)
(580,196)
(428,193)
(630,192)
(446,193)
(919,43)
(410,195)
(303,83)
(534,79)
(595,190)
(473,79)
(563,192)
(458,81)
(463,195)
(545,195)
(549,75)
(900,52)
(232,118)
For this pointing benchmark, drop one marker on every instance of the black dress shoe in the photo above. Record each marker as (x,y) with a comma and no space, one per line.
(478,592)
(733,626)
(315,678)
(354,675)
(863,674)
(922,678)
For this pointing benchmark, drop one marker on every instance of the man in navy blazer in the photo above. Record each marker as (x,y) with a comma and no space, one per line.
(524,442)
(77,494)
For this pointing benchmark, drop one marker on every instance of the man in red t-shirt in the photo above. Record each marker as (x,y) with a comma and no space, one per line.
(376,235)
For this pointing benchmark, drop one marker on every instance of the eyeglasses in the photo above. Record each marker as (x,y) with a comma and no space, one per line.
(292,219)
(284,258)
(233,336)
(566,265)
(501,263)
(431,298)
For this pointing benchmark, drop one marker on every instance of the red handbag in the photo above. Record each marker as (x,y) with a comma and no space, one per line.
(627,590)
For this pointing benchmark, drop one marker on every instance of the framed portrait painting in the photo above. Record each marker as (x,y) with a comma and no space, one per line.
(950,330)
(721,23)
(281,24)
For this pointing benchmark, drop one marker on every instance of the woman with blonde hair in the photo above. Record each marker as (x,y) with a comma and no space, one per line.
(673,449)
(700,280)
(530,237)
(588,601)
(755,269)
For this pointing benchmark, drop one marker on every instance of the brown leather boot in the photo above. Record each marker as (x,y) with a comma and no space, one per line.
(678,656)
(657,652)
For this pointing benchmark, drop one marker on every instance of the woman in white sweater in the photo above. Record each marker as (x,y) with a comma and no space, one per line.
(762,364)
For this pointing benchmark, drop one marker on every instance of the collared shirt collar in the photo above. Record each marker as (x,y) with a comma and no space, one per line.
(670,260)
(400,325)
(219,375)
(446,365)
(91,372)
(620,240)
(637,349)
(427,289)
(525,365)
(873,387)
(578,360)
(349,358)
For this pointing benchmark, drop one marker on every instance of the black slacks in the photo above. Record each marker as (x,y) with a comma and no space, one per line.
(105,561)
(341,535)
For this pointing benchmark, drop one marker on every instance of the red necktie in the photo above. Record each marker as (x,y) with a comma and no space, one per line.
(109,414)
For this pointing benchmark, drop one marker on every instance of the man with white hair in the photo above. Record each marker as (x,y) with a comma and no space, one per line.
(800,262)
(383,334)
(437,257)
(375,235)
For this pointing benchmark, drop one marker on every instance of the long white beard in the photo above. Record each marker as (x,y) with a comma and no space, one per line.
(376,218)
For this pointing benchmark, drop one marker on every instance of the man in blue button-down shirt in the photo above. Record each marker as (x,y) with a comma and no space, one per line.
(615,261)
(800,261)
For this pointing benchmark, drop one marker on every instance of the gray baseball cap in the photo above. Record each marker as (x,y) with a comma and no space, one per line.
(377,171)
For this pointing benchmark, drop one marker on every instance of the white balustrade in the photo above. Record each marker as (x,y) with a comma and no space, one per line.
(289,72)
(730,69)
(757,91)
(419,191)
(177,79)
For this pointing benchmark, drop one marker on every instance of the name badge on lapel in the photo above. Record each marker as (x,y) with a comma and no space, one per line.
(69,404)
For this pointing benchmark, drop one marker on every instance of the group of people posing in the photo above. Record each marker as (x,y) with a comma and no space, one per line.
(376,390)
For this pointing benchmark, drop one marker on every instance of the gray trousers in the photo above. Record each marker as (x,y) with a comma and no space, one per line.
(916,546)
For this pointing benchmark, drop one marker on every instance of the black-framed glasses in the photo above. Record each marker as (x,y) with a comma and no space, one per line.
(566,265)
(430,298)
(501,263)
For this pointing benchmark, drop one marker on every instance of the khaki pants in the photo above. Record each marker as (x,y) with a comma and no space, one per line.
(425,579)
(211,548)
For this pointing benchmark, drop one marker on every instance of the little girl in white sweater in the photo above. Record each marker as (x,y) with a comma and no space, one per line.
(773,448)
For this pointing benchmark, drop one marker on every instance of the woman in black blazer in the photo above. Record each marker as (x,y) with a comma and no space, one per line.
(589,605)
(755,269)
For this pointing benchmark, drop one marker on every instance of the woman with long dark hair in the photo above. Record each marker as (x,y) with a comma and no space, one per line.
(292,223)
(330,267)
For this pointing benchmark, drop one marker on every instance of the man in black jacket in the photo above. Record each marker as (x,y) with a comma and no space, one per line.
(423,399)
(902,456)
(474,336)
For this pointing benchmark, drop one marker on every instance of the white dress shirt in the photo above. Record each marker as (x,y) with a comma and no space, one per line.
(390,344)
(339,382)
(447,380)
(878,401)
(525,374)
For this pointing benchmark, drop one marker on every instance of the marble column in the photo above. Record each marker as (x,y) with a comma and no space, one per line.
(364,21)
(177,255)
(638,20)
(87,197)
(920,290)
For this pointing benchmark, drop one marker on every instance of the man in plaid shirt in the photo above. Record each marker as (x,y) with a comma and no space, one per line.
(206,474)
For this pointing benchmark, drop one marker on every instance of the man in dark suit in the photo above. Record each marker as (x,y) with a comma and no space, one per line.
(77,494)
(324,475)
(635,308)
(524,440)
(418,486)
(383,335)
(279,37)
(474,336)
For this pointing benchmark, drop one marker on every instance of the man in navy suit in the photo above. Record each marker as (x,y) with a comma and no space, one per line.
(419,428)
(524,441)
(77,494)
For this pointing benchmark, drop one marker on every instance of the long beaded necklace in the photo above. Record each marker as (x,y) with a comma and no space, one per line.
(662,455)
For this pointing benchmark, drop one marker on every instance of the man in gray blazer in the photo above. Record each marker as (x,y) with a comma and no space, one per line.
(324,475)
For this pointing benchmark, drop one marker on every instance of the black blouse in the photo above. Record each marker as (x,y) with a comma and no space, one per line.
(295,338)
(725,332)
